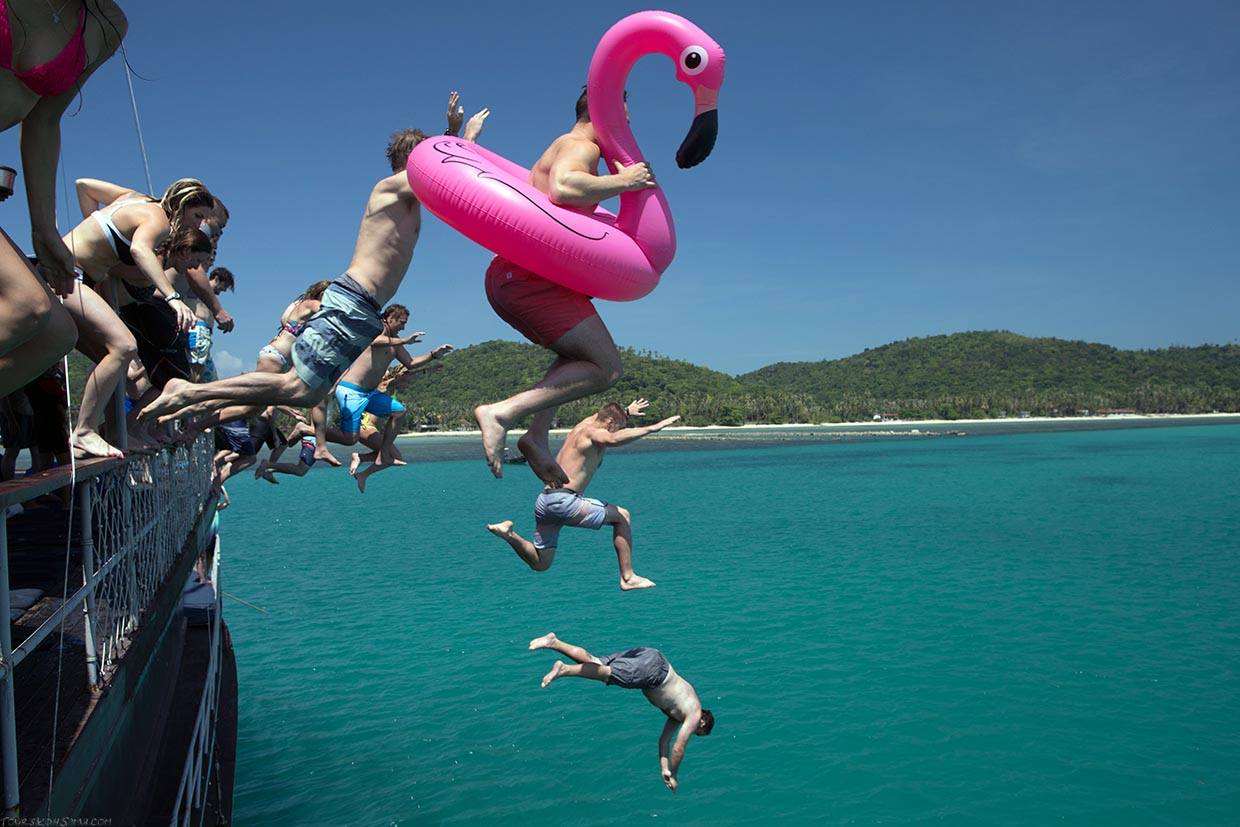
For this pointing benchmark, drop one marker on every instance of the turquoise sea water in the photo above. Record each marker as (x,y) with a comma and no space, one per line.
(997,628)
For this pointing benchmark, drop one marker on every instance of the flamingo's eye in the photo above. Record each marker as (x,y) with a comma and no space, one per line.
(693,60)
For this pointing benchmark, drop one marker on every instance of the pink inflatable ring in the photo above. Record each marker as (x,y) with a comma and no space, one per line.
(615,257)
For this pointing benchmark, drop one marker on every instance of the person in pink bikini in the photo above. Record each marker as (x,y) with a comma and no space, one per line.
(44,60)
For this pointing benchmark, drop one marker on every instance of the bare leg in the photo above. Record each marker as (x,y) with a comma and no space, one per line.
(318,416)
(593,671)
(535,447)
(550,641)
(390,430)
(246,388)
(538,560)
(35,330)
(622,538)
(589,363)
(105,338)
(378,464)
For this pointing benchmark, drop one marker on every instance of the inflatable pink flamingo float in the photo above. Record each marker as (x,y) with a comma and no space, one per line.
(616,257)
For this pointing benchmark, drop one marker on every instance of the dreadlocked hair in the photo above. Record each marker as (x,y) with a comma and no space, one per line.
(185,194)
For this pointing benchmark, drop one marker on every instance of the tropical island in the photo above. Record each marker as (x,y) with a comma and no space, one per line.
(973,375)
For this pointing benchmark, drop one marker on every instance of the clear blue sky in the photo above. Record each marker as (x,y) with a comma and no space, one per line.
(883,170)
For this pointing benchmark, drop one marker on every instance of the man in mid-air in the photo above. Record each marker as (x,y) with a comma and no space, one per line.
(648,670)
(580,457)
(348,319)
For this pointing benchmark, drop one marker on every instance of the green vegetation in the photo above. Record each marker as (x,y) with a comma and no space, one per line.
(961,375)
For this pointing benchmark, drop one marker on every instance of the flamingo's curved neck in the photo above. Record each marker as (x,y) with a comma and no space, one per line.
(644,214)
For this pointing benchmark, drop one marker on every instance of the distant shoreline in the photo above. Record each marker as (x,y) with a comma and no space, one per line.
(909,423)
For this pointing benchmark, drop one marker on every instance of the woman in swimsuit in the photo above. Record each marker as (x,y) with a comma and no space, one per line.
(276,355)
(123,235)
(46,54)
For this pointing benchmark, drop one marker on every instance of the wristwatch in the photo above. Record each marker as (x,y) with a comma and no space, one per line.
(172,297)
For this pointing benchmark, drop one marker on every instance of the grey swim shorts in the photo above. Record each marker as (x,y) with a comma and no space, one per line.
(557,507)
(640,668)
(344,326)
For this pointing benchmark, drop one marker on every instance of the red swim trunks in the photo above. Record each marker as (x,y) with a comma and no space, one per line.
(540,310)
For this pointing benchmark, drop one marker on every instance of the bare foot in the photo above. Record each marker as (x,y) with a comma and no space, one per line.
(494,434)
(353,464)
(502,530)
(556,669)
(90,444)
(327,456)
(635,581)
(170,401)
(543,642)
(541,463)
(396,461)
(263,471)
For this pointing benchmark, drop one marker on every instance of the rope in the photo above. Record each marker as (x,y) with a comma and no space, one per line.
(137,124)
(64,595)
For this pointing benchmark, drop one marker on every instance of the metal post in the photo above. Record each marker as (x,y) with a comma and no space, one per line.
(130,550)
(85,498)
(8,713)
(118,433)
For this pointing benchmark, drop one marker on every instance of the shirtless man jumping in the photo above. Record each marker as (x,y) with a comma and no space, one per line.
(648,670)
(580,457)
(348,317)
(561,320)
(358,390)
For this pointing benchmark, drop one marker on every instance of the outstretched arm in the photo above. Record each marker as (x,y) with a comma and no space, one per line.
(682,740)
(456,114)
(386,341)
(93,192)
(626,435)
(665,743)
(574,184)
(145,239)
(201,285)
(416,362)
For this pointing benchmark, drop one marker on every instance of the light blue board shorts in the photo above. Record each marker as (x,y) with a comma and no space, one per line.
(355,400)
(199,343)
(557,507)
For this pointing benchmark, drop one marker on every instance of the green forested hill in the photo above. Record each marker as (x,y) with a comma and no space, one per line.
(977,374)
(494,370)
(994,372)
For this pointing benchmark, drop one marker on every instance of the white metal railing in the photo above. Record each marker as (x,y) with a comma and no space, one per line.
(199,758)
(134,517)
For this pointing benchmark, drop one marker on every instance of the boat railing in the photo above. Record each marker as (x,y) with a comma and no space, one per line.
(133,519)
(196,775)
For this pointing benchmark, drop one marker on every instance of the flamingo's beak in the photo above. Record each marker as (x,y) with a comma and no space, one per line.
(696,146)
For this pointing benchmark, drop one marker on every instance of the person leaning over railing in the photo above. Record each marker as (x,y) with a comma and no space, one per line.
(126,236)
(44,60)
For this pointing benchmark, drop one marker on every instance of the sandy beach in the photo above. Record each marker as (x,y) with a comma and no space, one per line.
(906,425)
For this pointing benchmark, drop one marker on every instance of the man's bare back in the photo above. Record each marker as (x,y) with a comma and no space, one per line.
(582,152)
(676,697)
(390,228)
(580,456)
(582,452)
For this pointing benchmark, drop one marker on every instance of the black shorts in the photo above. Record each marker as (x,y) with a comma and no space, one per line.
(162,347)
(235,436)
(639,668)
